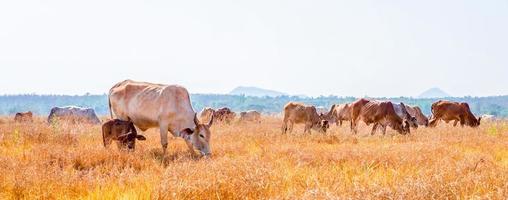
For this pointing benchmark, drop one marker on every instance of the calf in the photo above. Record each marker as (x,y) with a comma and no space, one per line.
(298,113)
(123,132)
(23,117)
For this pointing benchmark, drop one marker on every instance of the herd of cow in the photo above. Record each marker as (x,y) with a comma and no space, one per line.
(141,105)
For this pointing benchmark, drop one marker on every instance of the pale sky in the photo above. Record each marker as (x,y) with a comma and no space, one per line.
(344,48)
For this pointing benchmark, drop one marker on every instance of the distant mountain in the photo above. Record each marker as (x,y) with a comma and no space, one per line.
(434,93)
(254,91)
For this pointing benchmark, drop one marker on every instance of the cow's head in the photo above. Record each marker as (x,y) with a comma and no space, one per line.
(321,125)
(473,122)
(200,137)
(413,123)
(402,128)
(128,140)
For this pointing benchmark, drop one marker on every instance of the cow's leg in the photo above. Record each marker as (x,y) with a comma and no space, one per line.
(291,125)
(455,123)
(307,128)
(164,128)
(433,122)
(374,129)
(284,127)
(384,129)
(354,127)
(339,123)
(462,121)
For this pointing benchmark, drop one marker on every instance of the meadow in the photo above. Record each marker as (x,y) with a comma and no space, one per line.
(255,161)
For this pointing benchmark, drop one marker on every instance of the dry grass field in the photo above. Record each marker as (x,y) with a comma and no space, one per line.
(254,161)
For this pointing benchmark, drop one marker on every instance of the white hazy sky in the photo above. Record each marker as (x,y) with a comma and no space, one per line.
(344,48)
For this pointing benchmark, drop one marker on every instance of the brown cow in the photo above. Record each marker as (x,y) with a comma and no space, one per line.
(251,115)
(341,112)
(453,111)
(379,113)
(23,117)
(206,114)
(123,132)
(415,111)
(224,115)
(300,113)
(402,112)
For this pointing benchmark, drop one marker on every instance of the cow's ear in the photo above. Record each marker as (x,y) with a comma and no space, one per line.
(140,137)
(210,122)
(187,131)
(196,120)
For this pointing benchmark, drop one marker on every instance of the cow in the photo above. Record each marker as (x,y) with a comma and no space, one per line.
(251,115)
(123,132)
(224,115)
(341,112)
(379,113)
(206,114)
(453,111)
(167,107)
(402,112)
(74,114)
(23,117)
(300,113)
(415,111)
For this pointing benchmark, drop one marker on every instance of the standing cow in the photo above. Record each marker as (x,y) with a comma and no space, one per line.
(379,113)
(402,112)
(167,107)
(123,132)
(224,114)
(415,111)
(300,113)
(74,114)
(251,115)
(206,114)
(22,117)
(341,112)
(453,111)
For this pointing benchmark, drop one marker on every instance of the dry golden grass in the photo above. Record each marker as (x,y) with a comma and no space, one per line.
(254,161)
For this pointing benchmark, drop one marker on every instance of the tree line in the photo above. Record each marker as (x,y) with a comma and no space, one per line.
(42,104)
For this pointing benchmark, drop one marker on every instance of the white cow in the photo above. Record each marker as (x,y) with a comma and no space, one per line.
(166,107)
(73,113)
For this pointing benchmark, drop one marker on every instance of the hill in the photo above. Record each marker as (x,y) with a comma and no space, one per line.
(255,92)
(434,93)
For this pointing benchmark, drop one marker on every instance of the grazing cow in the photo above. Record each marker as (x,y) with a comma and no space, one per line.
(415,111)
(341,112)
(167,107)
(74,114)
(402,112)
(251,115)
(123,132)
(224,115)
(453,111)
(206,114)
(23,117)
(300,113)
(379,113)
